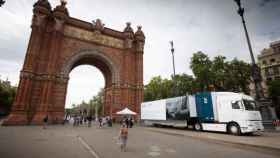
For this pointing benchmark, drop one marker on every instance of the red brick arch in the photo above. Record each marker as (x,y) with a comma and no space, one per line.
(108,68)
(59,43)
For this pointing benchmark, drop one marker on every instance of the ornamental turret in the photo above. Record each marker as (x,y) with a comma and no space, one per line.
(60,14)
(140,39)
(41,10)
(129,35)
(42,5)
(61,11)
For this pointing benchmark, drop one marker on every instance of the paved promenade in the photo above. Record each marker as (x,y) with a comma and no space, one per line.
(266,140)
(73,142)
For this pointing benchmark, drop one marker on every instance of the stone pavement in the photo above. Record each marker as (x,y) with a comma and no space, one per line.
(265,140)
(73,142)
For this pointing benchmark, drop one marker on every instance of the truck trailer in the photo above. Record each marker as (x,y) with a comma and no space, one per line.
(230,112)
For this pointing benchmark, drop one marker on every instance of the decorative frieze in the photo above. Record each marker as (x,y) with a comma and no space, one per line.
(92,36)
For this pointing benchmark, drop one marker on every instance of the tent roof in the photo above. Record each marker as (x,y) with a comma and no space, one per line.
(126,111)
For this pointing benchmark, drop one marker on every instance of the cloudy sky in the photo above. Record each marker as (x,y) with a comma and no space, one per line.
(211,26)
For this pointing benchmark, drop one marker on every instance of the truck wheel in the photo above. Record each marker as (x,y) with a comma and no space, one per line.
(234,129)
(197,126)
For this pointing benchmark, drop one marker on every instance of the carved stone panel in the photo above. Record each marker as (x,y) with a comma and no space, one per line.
(93,37)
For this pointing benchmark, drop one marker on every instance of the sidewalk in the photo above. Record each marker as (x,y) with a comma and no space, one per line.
(267,140)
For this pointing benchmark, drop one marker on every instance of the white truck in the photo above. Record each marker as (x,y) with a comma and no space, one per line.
(230,112)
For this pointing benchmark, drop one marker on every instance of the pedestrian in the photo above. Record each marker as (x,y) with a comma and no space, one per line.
(104,121)
(126,122)
(130,122)
(76,122)
(81,119)
(123,136)
(45,121)
(100,122)
(85,119)
(89,119)
(110,123)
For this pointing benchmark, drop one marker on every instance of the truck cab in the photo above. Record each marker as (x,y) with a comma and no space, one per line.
(230,112)
(245,113)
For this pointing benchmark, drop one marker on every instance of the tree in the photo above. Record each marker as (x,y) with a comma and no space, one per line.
(201,67)
(274,94)
(224,75)
(238,76)
(184,84)
(159,88)
(96,103)
(7,95)
(219,72)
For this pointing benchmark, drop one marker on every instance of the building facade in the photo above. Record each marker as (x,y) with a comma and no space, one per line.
(269,62)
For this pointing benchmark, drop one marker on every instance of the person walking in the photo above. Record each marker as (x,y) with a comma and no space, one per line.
(110,123)
(45,121)
(130,122)
(89,119)
(126,122)
(100,122)
(75,120)
(123,136)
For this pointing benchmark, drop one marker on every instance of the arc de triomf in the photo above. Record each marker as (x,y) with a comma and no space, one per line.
(59,43)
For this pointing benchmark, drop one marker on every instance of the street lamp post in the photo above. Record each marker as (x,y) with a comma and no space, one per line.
(172,52)
(255,69)
(2,2)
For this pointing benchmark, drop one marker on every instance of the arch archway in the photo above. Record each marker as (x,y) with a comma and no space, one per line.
(57,44)
(108,68)
(86,84)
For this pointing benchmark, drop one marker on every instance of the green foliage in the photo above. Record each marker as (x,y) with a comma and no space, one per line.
(184,84)
(218,73)
(7,95)
(274,89)
(159,88)
(219,69)
(201,67)
(91,106)
(239,76)
(274,94)
(223,75)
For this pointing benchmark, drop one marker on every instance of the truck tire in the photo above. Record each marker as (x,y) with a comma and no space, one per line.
(234,129)
(197,126)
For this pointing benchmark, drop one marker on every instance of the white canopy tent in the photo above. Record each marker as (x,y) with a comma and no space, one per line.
(126,111)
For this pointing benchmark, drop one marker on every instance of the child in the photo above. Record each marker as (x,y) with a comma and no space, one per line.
(123,136)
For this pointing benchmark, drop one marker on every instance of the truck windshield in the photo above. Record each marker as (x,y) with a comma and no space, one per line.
(249,105)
